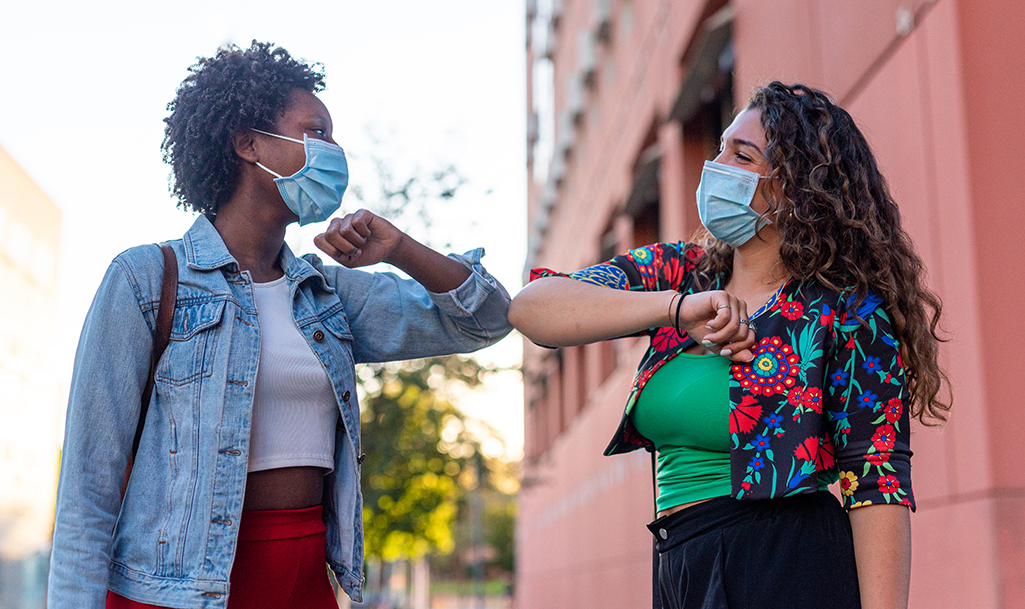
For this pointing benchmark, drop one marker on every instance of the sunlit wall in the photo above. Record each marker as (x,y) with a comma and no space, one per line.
(30,387)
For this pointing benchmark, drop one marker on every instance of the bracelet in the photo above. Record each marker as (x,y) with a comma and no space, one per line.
(669,313)
(677,320)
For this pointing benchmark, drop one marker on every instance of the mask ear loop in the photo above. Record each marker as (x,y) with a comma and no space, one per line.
(291,139)
(273,173)
(283,137)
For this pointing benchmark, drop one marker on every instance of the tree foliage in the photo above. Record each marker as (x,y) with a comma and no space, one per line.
(421,458)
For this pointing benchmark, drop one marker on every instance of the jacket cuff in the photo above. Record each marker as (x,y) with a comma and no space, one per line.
(884,478)
(468,297)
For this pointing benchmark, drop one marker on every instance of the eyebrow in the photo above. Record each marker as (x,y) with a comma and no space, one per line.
(741,142)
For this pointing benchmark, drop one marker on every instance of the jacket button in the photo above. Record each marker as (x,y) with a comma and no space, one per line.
(359,459)
(318,336)
(345,396)
(662,533)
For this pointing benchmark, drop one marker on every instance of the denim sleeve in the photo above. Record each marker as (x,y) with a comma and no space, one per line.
(396,319)
(111,367)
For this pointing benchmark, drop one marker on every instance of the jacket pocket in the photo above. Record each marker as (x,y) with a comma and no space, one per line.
(190,352)
(338,325)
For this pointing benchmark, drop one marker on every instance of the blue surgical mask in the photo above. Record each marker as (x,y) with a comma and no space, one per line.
(315,191)
(724,202)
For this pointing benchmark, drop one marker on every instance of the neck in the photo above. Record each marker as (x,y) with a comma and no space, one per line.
(757,266)
(254,233)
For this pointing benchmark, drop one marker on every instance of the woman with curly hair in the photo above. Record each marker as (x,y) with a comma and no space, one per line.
(789,350)
(246,478)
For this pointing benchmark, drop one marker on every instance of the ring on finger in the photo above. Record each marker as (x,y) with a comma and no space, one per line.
(722,307)
(746,322)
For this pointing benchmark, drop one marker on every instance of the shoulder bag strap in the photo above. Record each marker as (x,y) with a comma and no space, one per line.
(162,336)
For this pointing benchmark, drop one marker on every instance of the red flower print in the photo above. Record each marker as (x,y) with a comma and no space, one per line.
(643,377)
(674,273)
(827,317)
(878,459)
(745,485)
(825,459)
(745,416)
(773,369)
(812,399)
(807,450)
(794,397)
(905,501)
(894,408)
(884,438)
(665,339)
(791,309)
(888,484)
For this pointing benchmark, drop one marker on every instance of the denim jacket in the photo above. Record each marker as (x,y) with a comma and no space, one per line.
(175,534)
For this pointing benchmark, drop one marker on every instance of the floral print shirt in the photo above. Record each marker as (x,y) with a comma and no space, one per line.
(823,398)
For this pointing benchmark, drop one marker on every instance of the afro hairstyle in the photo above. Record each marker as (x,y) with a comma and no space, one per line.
(222,96)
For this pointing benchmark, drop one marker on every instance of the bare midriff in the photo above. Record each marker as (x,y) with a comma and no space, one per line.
(284,488)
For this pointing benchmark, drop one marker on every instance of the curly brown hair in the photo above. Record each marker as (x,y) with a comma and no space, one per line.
(840,226)
(232,91)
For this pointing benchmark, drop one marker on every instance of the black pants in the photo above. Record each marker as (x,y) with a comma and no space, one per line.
(793,553)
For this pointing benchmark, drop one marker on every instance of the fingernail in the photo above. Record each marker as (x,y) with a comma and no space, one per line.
(726,353)
(710,327)
(707,343)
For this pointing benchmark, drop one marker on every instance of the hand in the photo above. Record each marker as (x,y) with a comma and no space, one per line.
(359,239)
(713,319)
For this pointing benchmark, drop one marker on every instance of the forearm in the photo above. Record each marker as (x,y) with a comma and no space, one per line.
(559,312)
(430,269)
(882,549)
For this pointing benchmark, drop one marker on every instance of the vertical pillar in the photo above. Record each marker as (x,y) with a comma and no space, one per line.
(672,200)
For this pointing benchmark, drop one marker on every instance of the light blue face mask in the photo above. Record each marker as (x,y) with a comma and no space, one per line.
(724,202)
(315,191)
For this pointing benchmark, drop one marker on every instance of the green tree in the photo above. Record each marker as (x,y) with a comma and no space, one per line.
(421,458)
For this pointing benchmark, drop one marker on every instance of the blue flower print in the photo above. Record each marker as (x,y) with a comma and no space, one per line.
(867,399)
(839,378)
(757,462)
(760,442)
(773,420)
(871,363)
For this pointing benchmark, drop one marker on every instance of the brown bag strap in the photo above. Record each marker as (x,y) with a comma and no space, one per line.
(162,336)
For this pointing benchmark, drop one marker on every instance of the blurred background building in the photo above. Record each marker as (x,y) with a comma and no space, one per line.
(627,98)
(30,385)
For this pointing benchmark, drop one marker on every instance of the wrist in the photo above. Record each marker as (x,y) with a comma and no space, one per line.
(670,310)
(400,253)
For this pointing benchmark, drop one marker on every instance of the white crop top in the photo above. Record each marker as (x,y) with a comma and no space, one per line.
(294,407)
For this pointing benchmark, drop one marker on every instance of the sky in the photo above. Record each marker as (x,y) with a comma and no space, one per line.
(419,84)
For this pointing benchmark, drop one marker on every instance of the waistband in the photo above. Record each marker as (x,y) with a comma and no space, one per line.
(722,512)
(272,525)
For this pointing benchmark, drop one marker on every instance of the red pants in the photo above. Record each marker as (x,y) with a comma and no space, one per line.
(279,564)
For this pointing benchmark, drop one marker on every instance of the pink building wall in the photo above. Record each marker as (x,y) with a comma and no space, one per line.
(937,87)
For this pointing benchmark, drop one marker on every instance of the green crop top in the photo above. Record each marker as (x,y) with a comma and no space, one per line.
(684,409)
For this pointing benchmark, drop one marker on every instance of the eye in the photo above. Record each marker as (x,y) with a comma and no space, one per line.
(743,157)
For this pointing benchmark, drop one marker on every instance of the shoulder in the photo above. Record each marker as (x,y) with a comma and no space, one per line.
(647,254)
(143,267)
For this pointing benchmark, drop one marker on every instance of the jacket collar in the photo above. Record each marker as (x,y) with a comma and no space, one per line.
(205,251)
(204,248)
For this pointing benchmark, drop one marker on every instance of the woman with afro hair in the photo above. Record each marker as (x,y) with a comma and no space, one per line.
(246,477)
(790,347)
